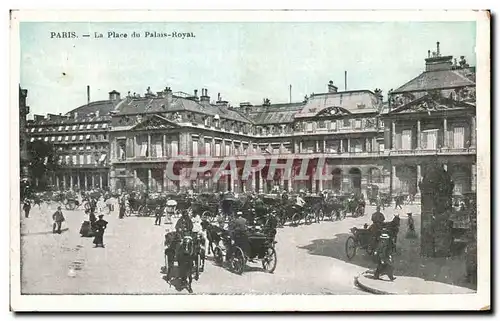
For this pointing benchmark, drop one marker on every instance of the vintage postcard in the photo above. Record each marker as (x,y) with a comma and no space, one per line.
(250,160)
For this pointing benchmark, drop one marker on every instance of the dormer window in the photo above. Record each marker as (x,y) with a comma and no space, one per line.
(207,121)
(217,121)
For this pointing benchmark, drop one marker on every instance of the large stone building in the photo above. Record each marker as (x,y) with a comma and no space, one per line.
(432,118)
(80,139)
(129,143)
(343,127)
(24,110)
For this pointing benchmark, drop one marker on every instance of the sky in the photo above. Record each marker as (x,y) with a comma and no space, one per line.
(241,61)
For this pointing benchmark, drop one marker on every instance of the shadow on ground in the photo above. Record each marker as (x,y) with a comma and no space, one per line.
(407,261)
(44,232)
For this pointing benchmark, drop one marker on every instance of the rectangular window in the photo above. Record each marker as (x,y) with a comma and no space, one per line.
(81,137)
(87,137)
(82,159)
(208,146)
(73,137)
(144,149)
(46,139)
(88,148)
(89,159)
(66,128)
(158,146)
(66,138)
(32,130)
(458,137)
(121,149)
(104,126)
(60,128)
(96,126)
(333,125)
(80,148)
(80,127)
(74,127)
(175,148)
(67,159)
(228,150)
(73,148)
(381,147)
(357,124)
(195,148)
(74,160)
(207,121)
(89,126)
(217,149)
(406,139)
(321,124)
(53,138)
(346,123)
(309,127)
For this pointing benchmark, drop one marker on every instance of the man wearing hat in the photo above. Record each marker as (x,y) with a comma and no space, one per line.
(384,258)
(238,229)
(100,226)
(58,218)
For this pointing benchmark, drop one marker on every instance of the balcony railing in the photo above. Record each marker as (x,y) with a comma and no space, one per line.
(289,155)
(441,151)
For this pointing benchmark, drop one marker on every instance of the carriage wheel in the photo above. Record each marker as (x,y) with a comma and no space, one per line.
(218,256)
(270,260)
(309,217)
(70,205)
(350,247)
(238,260)
(295,219)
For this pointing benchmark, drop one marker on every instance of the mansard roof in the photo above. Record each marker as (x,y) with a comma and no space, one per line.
(176,104)
(274,114)
(438,79)
(356,102)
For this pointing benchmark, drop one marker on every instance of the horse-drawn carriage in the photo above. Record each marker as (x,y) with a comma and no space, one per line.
(367,238)
(355,205)
(206,205)
(153,202)
(261,247)
(333,208)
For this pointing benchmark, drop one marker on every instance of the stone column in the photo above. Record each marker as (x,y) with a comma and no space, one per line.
(348,145)
(393,180)
(165,179)
(473,179)
(261,184)
(93,180)
(57,181)
(300,147)
(253,178)
(85,181)
(341,145)
(164,147)
(149,145)
(150,180)
(320,185)
(70,181)
(324,146)
(135,147)
(419,135)
(100,180)
(282,179)
(419,177)
(393,134)
(78,179)
(64,181)
(312,179)
(445,133)
(473,132)
(317,147)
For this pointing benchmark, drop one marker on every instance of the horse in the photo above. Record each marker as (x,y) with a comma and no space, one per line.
(214,233)
(392,228)
(183,252)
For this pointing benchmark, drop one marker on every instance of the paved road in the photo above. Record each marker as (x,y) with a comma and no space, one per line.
(311,260)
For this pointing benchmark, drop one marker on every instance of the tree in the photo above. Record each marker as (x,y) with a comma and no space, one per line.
(42,160)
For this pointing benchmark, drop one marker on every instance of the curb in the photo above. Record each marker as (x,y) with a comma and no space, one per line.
(368,288)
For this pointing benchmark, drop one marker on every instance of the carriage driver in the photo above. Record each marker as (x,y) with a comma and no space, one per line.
(239,232)
(299,200)
(378,219)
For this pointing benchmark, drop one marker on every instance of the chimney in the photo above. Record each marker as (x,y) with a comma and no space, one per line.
(222,103)
(218,97)
(196,93)
(205,98)
(114,95)
(159,94)
(438,62)
(168,94)
(88,94)
(331,87)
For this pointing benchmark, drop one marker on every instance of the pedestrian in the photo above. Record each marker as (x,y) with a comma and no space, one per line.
(122,207)
(158,215)
(26,207)
(100,226)
(58,218)
(383,255)
(411,234)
